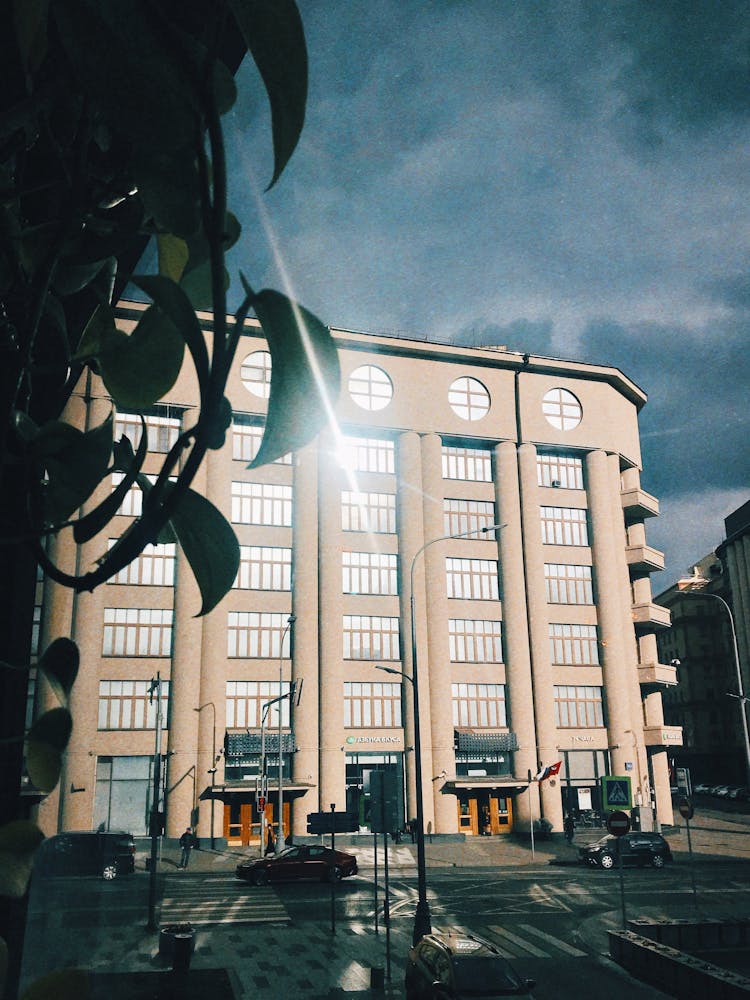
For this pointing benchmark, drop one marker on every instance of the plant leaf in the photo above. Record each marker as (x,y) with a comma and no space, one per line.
(59,663)
(169,185)
(76,462)
(273,33)
(305,375)
(18,843)
(173,255)
(210,546)
(45,743)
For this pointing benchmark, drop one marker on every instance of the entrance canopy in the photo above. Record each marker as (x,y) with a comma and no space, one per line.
(489,782)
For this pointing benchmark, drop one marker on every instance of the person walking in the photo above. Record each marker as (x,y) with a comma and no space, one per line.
(569,828)
(186,843)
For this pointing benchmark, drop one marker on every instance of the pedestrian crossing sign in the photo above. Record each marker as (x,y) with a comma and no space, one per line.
(616,792)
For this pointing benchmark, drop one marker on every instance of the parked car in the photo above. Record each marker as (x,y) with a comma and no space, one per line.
(453,966)
(636,849)
(701,789)
(720,791)
(315,862)
(109,853)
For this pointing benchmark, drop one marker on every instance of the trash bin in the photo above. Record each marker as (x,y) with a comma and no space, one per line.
(377,978)
(177,943)
(182,952)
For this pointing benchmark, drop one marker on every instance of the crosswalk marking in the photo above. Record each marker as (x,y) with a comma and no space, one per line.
(562,945)
(517,942)
(208,902)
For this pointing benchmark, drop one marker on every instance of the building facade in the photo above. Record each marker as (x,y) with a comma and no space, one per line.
(535,640)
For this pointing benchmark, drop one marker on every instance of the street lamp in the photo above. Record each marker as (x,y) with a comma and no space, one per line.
(263,774)
(693,586)
(212,769)
(422,921)
(280,834)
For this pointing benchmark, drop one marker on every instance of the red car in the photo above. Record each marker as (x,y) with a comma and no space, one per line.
(313,862)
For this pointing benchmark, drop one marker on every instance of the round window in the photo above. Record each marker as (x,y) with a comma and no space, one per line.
(468,398)
(562,409)
(256,373)
(370,387)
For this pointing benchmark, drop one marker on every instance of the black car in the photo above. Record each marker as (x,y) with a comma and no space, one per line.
(108,854)
(635,848)
(453,966)
(315,862)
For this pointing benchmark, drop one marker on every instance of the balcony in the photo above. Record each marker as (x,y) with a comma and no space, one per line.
(637,504)
(657,675)
(648,617)
(662,736)
(642,559)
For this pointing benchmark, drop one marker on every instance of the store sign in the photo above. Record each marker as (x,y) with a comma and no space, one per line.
(394,742)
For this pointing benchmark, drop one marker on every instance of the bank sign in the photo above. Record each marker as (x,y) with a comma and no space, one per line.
(375,740)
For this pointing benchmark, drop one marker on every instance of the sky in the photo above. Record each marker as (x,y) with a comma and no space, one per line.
(567,178)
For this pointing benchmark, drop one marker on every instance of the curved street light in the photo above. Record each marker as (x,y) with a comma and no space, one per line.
(280,844)
(212,769)
(422,919)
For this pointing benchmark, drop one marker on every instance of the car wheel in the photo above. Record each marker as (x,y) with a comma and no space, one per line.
(335,874)
(109,872)
(260,878)
(657,861)
(607,861)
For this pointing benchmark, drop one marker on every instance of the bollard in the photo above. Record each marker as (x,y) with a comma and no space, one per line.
(377,978)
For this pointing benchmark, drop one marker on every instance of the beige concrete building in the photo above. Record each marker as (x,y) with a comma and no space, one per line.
(536,642)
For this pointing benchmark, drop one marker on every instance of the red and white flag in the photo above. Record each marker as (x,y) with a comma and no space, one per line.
(547,772)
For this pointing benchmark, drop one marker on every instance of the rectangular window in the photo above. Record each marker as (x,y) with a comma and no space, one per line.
(374,512)
(262,503)
(470,464)
(154,567)
(479,705)
(264,567)
(462,516)
(372,705)
(162,431)
(475,641)
(137,632)
(246,701)
(246,439)
(257,634)
(472,579)
(568,584)
(564,526)
(369,455)
(369,573)
(563,471)
(578,707)
(132,504)
(370,637)
(131,705)
(573,645)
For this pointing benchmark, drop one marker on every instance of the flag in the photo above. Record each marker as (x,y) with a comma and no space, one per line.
(547,772)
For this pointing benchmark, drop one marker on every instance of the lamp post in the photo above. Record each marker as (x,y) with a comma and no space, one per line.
(263,773)
(422,920)
(693,586)
(212,769)
(280,835)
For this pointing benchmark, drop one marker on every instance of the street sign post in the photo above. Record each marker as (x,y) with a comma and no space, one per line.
(616,792)
(686,811)
(618,824)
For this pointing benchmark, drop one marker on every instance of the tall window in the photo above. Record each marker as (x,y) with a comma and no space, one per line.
(369,454)
(564,526)
(246,439)
(262,503)
(264,567)
(471,464)
(132,503)
(375,512)
(564,471)
(369,573)
(573,645)
(462,516)
(578,707)
(162,430)
(475,641)
(245,701)
(472,579)
(130,705)
(568,584)
(480,705)
(137,632)
(257,634)
(154,567)
(370,637)
(372,705)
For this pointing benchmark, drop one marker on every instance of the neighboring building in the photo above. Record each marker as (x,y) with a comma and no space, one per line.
(535,643)
(701,639)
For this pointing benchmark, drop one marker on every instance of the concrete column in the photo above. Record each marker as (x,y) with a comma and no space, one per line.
(738,560)
(520,693)
(435,671)
(410,515)
(332,747)
(305,666)
(613,631)
(542,678)
(184,783)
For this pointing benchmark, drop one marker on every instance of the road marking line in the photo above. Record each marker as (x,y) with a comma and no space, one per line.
(525,946)
(562,945)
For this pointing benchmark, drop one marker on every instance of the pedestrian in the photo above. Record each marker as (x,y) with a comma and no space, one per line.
(413,830)
(569,828)
(187,842)
(270,842)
